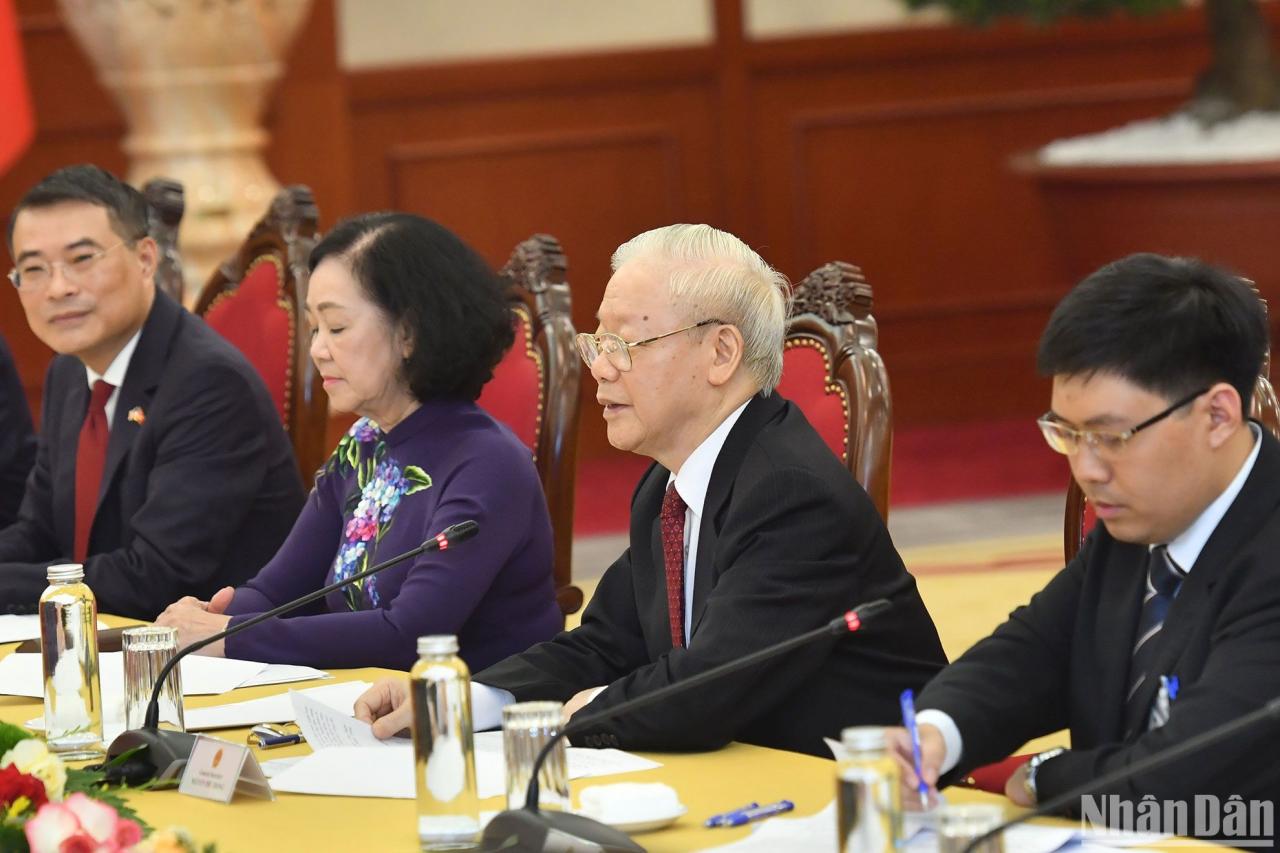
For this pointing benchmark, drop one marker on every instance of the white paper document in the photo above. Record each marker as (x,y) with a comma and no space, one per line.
(350,762)
(22,675)
(15,629)
(340,697)
(284,673)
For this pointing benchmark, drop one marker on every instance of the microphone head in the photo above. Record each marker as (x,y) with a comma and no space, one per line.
(453,534)
(873,608)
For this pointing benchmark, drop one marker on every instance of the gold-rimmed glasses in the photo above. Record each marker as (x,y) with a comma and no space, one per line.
(618,351)
(1105,444)
(35,274)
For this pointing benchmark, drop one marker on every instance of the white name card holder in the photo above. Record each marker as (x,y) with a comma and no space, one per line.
(218,770)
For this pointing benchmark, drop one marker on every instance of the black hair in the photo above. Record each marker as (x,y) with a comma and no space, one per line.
(126,207)
(1168,325)
(421,274)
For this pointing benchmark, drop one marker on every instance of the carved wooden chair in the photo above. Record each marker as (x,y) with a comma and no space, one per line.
(832,371)
(534,389)
(164,217)
(254,299)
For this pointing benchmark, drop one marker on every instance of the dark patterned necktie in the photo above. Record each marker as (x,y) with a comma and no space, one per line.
(1164,576)
(672,519)
(91,457)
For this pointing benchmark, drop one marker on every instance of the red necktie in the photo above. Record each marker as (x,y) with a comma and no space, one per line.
(673,507)
(91,457)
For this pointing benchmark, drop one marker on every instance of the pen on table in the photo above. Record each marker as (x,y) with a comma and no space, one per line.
(909,720)
(718,819)
(742,816)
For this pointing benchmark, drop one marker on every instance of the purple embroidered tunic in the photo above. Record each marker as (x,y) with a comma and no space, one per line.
(381,494)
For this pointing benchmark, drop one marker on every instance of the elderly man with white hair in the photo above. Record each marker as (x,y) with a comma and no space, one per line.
(745,531)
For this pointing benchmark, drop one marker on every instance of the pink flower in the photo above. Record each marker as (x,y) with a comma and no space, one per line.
(80,825)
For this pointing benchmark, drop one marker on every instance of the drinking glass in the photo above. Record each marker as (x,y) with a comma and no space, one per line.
(146,650)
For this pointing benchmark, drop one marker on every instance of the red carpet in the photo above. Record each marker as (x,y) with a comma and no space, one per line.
(930,465)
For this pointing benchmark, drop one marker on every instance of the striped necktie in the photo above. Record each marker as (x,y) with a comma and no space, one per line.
(1164,577)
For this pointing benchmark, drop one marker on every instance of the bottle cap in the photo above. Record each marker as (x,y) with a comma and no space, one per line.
(438,644)
(863,739)
(66,573)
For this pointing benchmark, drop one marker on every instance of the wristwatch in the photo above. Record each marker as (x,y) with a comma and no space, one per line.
(1029,781)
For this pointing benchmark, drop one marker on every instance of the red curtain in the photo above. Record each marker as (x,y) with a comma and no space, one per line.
(17,125)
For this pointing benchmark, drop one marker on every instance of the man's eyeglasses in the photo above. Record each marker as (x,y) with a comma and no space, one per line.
(618,351)
(1066,440)
(34,274)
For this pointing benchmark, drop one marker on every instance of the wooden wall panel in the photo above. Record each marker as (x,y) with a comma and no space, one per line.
(593,167)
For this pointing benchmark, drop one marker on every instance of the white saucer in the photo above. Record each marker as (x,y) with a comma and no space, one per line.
(651,823)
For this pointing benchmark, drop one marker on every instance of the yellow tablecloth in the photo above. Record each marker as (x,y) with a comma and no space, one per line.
(708,783)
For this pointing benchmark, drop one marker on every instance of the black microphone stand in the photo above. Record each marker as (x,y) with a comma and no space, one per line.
(1227,730)
(528,828)
(167,750)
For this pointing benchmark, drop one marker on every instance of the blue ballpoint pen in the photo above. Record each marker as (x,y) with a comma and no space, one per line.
(909,720)
(738,818)
(719,819)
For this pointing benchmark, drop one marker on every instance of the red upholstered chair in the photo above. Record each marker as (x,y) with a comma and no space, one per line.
(164,217)
(254,300)
(831,370)
(534,389)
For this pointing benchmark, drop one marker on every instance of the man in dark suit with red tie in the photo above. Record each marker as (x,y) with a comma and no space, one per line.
(162,464)
(745,531)
(1167,622)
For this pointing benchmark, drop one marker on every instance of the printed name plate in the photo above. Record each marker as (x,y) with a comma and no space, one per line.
(218,770)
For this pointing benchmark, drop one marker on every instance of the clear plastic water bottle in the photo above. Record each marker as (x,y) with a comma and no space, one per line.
(868,798)
(443,747)
(69,650)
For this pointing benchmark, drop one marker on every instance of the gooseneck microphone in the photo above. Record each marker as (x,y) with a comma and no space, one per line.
(1225,731)
(166,751)
(528,829)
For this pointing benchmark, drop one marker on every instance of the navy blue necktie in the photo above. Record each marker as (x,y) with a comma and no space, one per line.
(1164,576)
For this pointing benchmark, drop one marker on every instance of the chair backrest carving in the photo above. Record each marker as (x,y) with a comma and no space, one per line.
(255,299)
(167,205)
(535,388)
(831,369)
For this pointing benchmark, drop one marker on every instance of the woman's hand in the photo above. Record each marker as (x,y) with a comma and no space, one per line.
(386,705)
(196,620)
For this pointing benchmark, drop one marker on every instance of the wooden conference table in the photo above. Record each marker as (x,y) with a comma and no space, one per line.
(707,783)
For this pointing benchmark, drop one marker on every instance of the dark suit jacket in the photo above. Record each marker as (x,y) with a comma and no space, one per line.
(17,438)
(1063,661)
(788,541)
(198,496)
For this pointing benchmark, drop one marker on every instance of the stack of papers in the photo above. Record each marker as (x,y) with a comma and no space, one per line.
(350,762)
(22,675)
(817,834)
(15,629)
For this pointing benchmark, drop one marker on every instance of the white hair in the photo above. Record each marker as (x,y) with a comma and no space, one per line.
(716,275)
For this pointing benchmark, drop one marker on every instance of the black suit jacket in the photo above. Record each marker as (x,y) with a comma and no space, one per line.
(788,541)
(17,438)
(197,496)
(1063,661)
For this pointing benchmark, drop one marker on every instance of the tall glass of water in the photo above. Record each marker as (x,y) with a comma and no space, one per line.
(526,729)
(146,650)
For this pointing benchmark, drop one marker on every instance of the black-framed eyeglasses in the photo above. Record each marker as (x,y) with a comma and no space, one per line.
(1066,440)
(618,351)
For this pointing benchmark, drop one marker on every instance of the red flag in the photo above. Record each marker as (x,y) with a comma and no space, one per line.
(17,125)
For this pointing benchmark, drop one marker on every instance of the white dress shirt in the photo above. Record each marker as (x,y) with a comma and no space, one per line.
(115,374)
(692,481)
(1184,549)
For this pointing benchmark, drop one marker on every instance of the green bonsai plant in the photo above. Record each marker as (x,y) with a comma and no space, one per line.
(1243,75)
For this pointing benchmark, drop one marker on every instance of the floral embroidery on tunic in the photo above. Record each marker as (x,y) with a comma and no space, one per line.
(381,482)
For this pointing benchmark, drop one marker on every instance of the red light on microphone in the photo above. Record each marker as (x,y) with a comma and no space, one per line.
(442,542)
(852,621)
